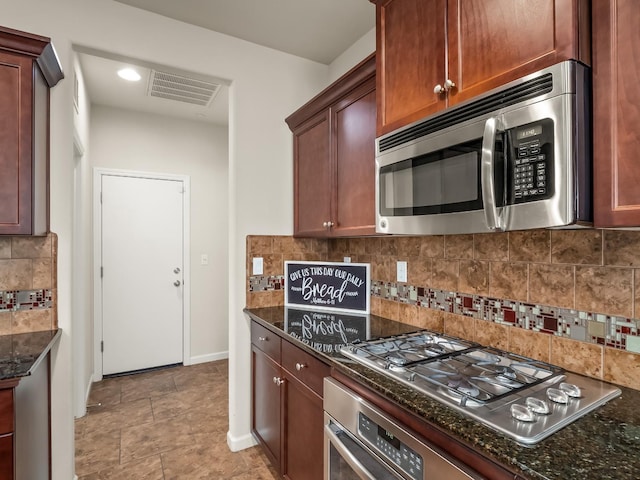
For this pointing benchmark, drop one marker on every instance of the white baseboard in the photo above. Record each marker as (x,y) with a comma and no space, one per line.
(240,443)
(210,357)
(88,390)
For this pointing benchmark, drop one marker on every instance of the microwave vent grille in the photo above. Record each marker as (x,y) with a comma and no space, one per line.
(509,96)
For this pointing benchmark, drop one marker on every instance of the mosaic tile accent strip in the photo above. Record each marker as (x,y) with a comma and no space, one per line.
(17,300)
(262,283)
(608,330)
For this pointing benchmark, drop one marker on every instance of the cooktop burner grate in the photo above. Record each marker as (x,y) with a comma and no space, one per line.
(484,374)
(409,349)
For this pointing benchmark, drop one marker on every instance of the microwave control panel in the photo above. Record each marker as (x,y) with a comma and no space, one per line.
(530,169)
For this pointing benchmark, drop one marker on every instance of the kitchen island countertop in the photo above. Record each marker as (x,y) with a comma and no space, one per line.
(602,445)
(21,353)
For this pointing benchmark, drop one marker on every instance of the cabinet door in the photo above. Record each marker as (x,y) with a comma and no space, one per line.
(312,177)
(616,119)
(16,74)
(6,457)
(492,42)
(304,434)
(411,60)
(354,131)
(267,405)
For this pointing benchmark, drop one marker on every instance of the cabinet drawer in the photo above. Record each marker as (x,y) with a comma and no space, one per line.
(266,341)
(306,368)
(6,411)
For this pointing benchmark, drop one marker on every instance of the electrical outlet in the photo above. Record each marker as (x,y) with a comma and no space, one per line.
(402,271)
(204,259)
(347,259)
(258,265)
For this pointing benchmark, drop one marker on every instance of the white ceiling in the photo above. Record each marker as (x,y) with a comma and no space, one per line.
(319,30)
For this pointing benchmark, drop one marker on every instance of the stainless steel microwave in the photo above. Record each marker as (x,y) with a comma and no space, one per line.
(516,158)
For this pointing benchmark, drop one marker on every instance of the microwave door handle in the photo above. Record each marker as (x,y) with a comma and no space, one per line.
(347,456)
(486,175)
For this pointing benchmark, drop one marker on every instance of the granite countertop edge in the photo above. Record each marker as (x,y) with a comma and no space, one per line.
(22,353)
(603,445)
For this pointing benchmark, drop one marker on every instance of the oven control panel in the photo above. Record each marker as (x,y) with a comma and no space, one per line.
(391,447)
(530,168)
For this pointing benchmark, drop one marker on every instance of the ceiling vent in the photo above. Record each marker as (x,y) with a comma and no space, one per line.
(181,89)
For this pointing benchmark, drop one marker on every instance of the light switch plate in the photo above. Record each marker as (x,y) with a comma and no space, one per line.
(204,259)
(402,271)
(257,266)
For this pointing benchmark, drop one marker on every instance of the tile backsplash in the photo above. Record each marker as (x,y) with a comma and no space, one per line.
(569,297)
(28,284)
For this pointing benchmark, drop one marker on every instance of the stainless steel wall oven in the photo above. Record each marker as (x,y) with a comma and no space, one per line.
(361,442)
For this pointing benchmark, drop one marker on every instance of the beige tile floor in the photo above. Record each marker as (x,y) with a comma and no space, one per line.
(169,424)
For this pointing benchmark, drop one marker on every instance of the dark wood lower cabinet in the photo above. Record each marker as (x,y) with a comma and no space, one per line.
(25,425)
(288,418)
(267,405)
(304,424)
(6,457)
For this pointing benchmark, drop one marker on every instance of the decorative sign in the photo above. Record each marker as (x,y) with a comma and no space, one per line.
(327,286)
(325,331)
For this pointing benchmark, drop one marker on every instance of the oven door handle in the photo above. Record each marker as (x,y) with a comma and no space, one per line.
(348,457)
(487,165)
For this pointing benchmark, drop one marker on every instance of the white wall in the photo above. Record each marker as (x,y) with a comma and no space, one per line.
(127,140)
(266,87)
(357,52)
(82,300)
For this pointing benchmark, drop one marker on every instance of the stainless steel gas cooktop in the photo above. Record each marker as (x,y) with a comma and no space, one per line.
(523,398)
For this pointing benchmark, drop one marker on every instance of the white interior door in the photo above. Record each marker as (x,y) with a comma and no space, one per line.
(142,276)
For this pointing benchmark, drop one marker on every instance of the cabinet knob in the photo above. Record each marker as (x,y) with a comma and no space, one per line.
(300,366)
(278,381)
(263,339)
(448,85)
(329,224)
(325,224)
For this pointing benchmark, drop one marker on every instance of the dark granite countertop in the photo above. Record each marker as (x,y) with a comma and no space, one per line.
(21,353)
(602,445)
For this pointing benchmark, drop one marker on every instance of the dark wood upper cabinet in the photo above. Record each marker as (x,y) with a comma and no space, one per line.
(334,157)
(616,108)
(28,69)
(476,45)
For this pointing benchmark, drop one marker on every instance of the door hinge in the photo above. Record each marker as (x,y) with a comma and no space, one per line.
(102,346)
(101,272)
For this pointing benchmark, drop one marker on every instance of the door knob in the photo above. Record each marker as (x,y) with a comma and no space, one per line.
(177,283)
(176,270)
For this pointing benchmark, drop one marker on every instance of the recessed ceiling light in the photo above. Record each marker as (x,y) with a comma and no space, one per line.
(129,74)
